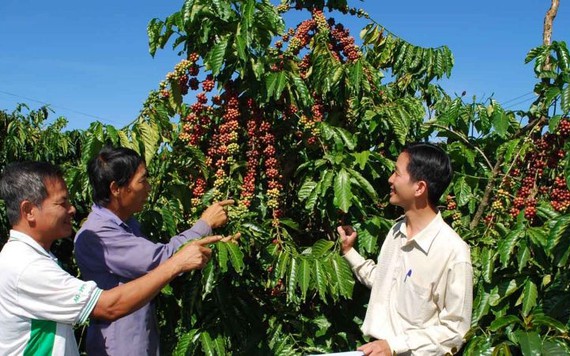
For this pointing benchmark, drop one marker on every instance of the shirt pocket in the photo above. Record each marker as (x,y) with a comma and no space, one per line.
(415,303)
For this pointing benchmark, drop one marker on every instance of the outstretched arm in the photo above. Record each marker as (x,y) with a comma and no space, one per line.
(126,298)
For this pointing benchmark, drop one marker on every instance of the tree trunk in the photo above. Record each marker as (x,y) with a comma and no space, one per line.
(547,31)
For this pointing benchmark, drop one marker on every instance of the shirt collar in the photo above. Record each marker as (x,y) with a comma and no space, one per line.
(424,238)
(106,213)
(28,240)
(109,215)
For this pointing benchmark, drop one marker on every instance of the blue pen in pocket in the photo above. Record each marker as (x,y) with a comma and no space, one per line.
(409,274)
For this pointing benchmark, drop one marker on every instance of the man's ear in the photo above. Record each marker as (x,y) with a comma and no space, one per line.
(114,189)
(27,210)
(421,188)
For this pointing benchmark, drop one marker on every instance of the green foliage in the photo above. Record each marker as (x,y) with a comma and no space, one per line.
(507,210)
(318,109)
(551,65)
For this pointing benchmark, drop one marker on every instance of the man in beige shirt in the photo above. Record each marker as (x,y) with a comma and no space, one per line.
(421,297)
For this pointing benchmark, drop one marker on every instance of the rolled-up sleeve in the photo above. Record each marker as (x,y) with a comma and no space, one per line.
(116,249)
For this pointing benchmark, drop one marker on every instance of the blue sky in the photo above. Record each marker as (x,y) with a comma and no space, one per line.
(90,60)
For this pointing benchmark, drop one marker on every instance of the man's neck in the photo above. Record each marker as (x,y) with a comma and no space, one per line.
(116,209)
(418,218)
(45,243)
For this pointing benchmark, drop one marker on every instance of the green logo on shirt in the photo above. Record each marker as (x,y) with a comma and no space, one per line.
(78,295)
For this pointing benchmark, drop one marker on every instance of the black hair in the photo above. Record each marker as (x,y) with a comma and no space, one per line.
(26,181)
(431,164)
(117,164)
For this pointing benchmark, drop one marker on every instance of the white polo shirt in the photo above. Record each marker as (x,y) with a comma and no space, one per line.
(39,301)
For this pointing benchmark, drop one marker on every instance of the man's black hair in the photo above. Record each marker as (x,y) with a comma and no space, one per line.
(117,164)
(431,164)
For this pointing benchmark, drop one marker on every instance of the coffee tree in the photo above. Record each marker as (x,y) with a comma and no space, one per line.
(510,200)
(299,128)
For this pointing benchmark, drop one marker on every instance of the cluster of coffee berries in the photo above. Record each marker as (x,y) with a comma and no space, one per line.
(196,123)
(183,79)
(290,111)
(281,8)
(178,78)
(530,209)
(224,143)
(223,148)
(451,210)
(524,197)
(354,11)
(450,203)
(278,289)
(340,43)
(564,128)
(208,83)
(320,21)
(560,195)
(536,170)
(310,124)
(500,200)
(456,217)
(272,170)
(488,219)
(304,66)
(278,65)
(193,128)
(301,38)
(497,206)
(198,191)
(344,43)
(252,154)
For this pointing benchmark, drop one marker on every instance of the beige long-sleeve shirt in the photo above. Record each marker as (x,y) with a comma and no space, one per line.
(422,289)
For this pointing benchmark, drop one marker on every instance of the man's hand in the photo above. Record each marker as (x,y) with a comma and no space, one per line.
(347,237)
(215,215)
(232,238)
(195,254)
(376,348)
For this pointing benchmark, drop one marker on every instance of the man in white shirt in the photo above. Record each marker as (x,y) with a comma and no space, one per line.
(39,301)
(421,297)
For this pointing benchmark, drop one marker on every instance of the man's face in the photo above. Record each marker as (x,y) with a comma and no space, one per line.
(135,194)
(402,188)
(54,217)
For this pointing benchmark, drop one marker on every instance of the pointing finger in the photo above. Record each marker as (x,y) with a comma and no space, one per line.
(226,202)
(233,238)
(208,240)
